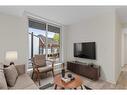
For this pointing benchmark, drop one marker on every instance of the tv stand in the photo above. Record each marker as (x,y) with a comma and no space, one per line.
(87,70)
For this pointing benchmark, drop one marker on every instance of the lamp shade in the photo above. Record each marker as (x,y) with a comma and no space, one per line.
(11,55)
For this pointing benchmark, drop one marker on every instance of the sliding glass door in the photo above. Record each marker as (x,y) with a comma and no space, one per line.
(43,39)
(53,42)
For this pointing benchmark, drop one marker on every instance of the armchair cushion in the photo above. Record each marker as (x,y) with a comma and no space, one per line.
(45,69)
(11,75)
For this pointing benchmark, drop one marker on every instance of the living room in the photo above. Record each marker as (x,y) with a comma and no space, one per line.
(106,26)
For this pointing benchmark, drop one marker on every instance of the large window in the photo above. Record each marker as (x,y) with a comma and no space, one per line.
(44,39)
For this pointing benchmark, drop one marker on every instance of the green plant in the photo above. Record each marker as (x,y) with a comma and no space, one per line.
(56,37)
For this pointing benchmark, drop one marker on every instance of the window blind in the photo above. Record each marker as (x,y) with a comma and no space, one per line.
(37,24)
(53,29)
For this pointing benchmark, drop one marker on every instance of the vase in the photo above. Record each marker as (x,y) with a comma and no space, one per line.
(63,73)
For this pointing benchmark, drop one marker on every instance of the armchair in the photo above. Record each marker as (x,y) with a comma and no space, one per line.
(40,66)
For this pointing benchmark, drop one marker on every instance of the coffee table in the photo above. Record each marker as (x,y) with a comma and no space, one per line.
(70,85)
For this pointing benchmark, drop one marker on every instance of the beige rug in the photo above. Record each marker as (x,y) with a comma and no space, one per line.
(100,84)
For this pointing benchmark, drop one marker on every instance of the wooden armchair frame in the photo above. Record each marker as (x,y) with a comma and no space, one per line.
(37,71)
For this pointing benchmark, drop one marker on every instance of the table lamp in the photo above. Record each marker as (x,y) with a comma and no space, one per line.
(11,56)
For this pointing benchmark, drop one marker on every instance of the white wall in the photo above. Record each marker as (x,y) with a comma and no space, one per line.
(64,39)
(118,47)
(100,29)
(13,36)
(125,48)
(122,49)
(124,45)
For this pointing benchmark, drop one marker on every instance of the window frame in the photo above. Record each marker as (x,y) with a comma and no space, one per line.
(47,23)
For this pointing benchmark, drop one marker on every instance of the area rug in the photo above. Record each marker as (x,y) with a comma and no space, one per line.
(46,86)
(87,88)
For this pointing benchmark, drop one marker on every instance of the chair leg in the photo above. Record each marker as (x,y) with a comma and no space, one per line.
(32,75)
(55,86)
(53,73)
(39,80)
(38,77)
(81,87)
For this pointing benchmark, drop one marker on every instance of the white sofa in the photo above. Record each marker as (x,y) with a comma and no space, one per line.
(22,82)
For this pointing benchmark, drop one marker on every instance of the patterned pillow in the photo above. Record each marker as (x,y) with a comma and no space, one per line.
(3,84)
(11,75)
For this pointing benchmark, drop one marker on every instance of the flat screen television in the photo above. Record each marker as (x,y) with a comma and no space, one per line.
(85,50)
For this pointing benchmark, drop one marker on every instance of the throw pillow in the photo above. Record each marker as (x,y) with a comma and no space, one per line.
(11,75)
(3,84)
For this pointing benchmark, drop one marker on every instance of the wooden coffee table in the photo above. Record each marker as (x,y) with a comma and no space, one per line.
(70,85)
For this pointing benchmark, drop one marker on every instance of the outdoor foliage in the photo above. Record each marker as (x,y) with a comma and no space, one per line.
(56,37)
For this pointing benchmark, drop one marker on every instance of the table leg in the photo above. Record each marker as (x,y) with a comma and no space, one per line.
(81,87)
(62,88)
(55,86)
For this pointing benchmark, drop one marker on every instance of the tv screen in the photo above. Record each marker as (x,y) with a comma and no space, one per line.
(85,50)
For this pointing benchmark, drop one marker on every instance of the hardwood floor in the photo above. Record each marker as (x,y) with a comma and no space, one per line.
(100,84)
(122,80)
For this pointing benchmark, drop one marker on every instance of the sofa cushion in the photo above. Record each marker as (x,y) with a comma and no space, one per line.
(11,75)
(45,69)
(20,68)
(3,84)
(33,86)
(23,82)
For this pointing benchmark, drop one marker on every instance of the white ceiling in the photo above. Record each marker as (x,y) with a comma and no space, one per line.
(65,15)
